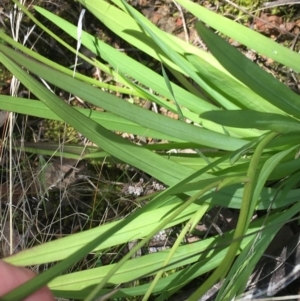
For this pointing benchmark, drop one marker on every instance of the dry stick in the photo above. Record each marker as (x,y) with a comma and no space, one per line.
(280,3)
(183,21)
(15,20)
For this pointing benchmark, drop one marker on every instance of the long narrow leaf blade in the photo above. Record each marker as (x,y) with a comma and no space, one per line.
(124,150)
(253,119)
(244,35)
(126,110)
(263,83)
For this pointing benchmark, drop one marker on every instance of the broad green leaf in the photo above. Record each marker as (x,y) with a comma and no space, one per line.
(124,109)
(193,254)
(124,26)
(245,215)
(267,169)
(244,35)
(236,93)
(133,69)
(253,119)
(129,66)
(146,265)
(108,120)
(185,65)
(231,285)
(252,75)
(112,143)
(145,76)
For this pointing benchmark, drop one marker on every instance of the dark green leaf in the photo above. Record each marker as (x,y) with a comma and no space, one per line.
(254,119)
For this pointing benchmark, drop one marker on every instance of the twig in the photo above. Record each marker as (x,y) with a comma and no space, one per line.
(280,3)
(183,21)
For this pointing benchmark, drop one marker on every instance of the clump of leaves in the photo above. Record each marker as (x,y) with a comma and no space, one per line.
(246,116)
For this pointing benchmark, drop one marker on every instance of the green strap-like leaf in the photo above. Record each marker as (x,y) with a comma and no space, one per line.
(253,76)
(115,145)
(244,35)
(253,119)
(108,120)
(146,118)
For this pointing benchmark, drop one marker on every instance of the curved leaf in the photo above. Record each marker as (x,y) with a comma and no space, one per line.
(244,35)
(253,119)
(252,75)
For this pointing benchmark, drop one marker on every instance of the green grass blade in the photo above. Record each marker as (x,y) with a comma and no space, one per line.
(129,66)
(113,144)
(108,120)
(180,61)
(126,110)
(268,168)
(179,112)
(244,35)
(236,93)
(252,75)
(245,215)
(199,214)
(253,119)
(81,283)
(232,288)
